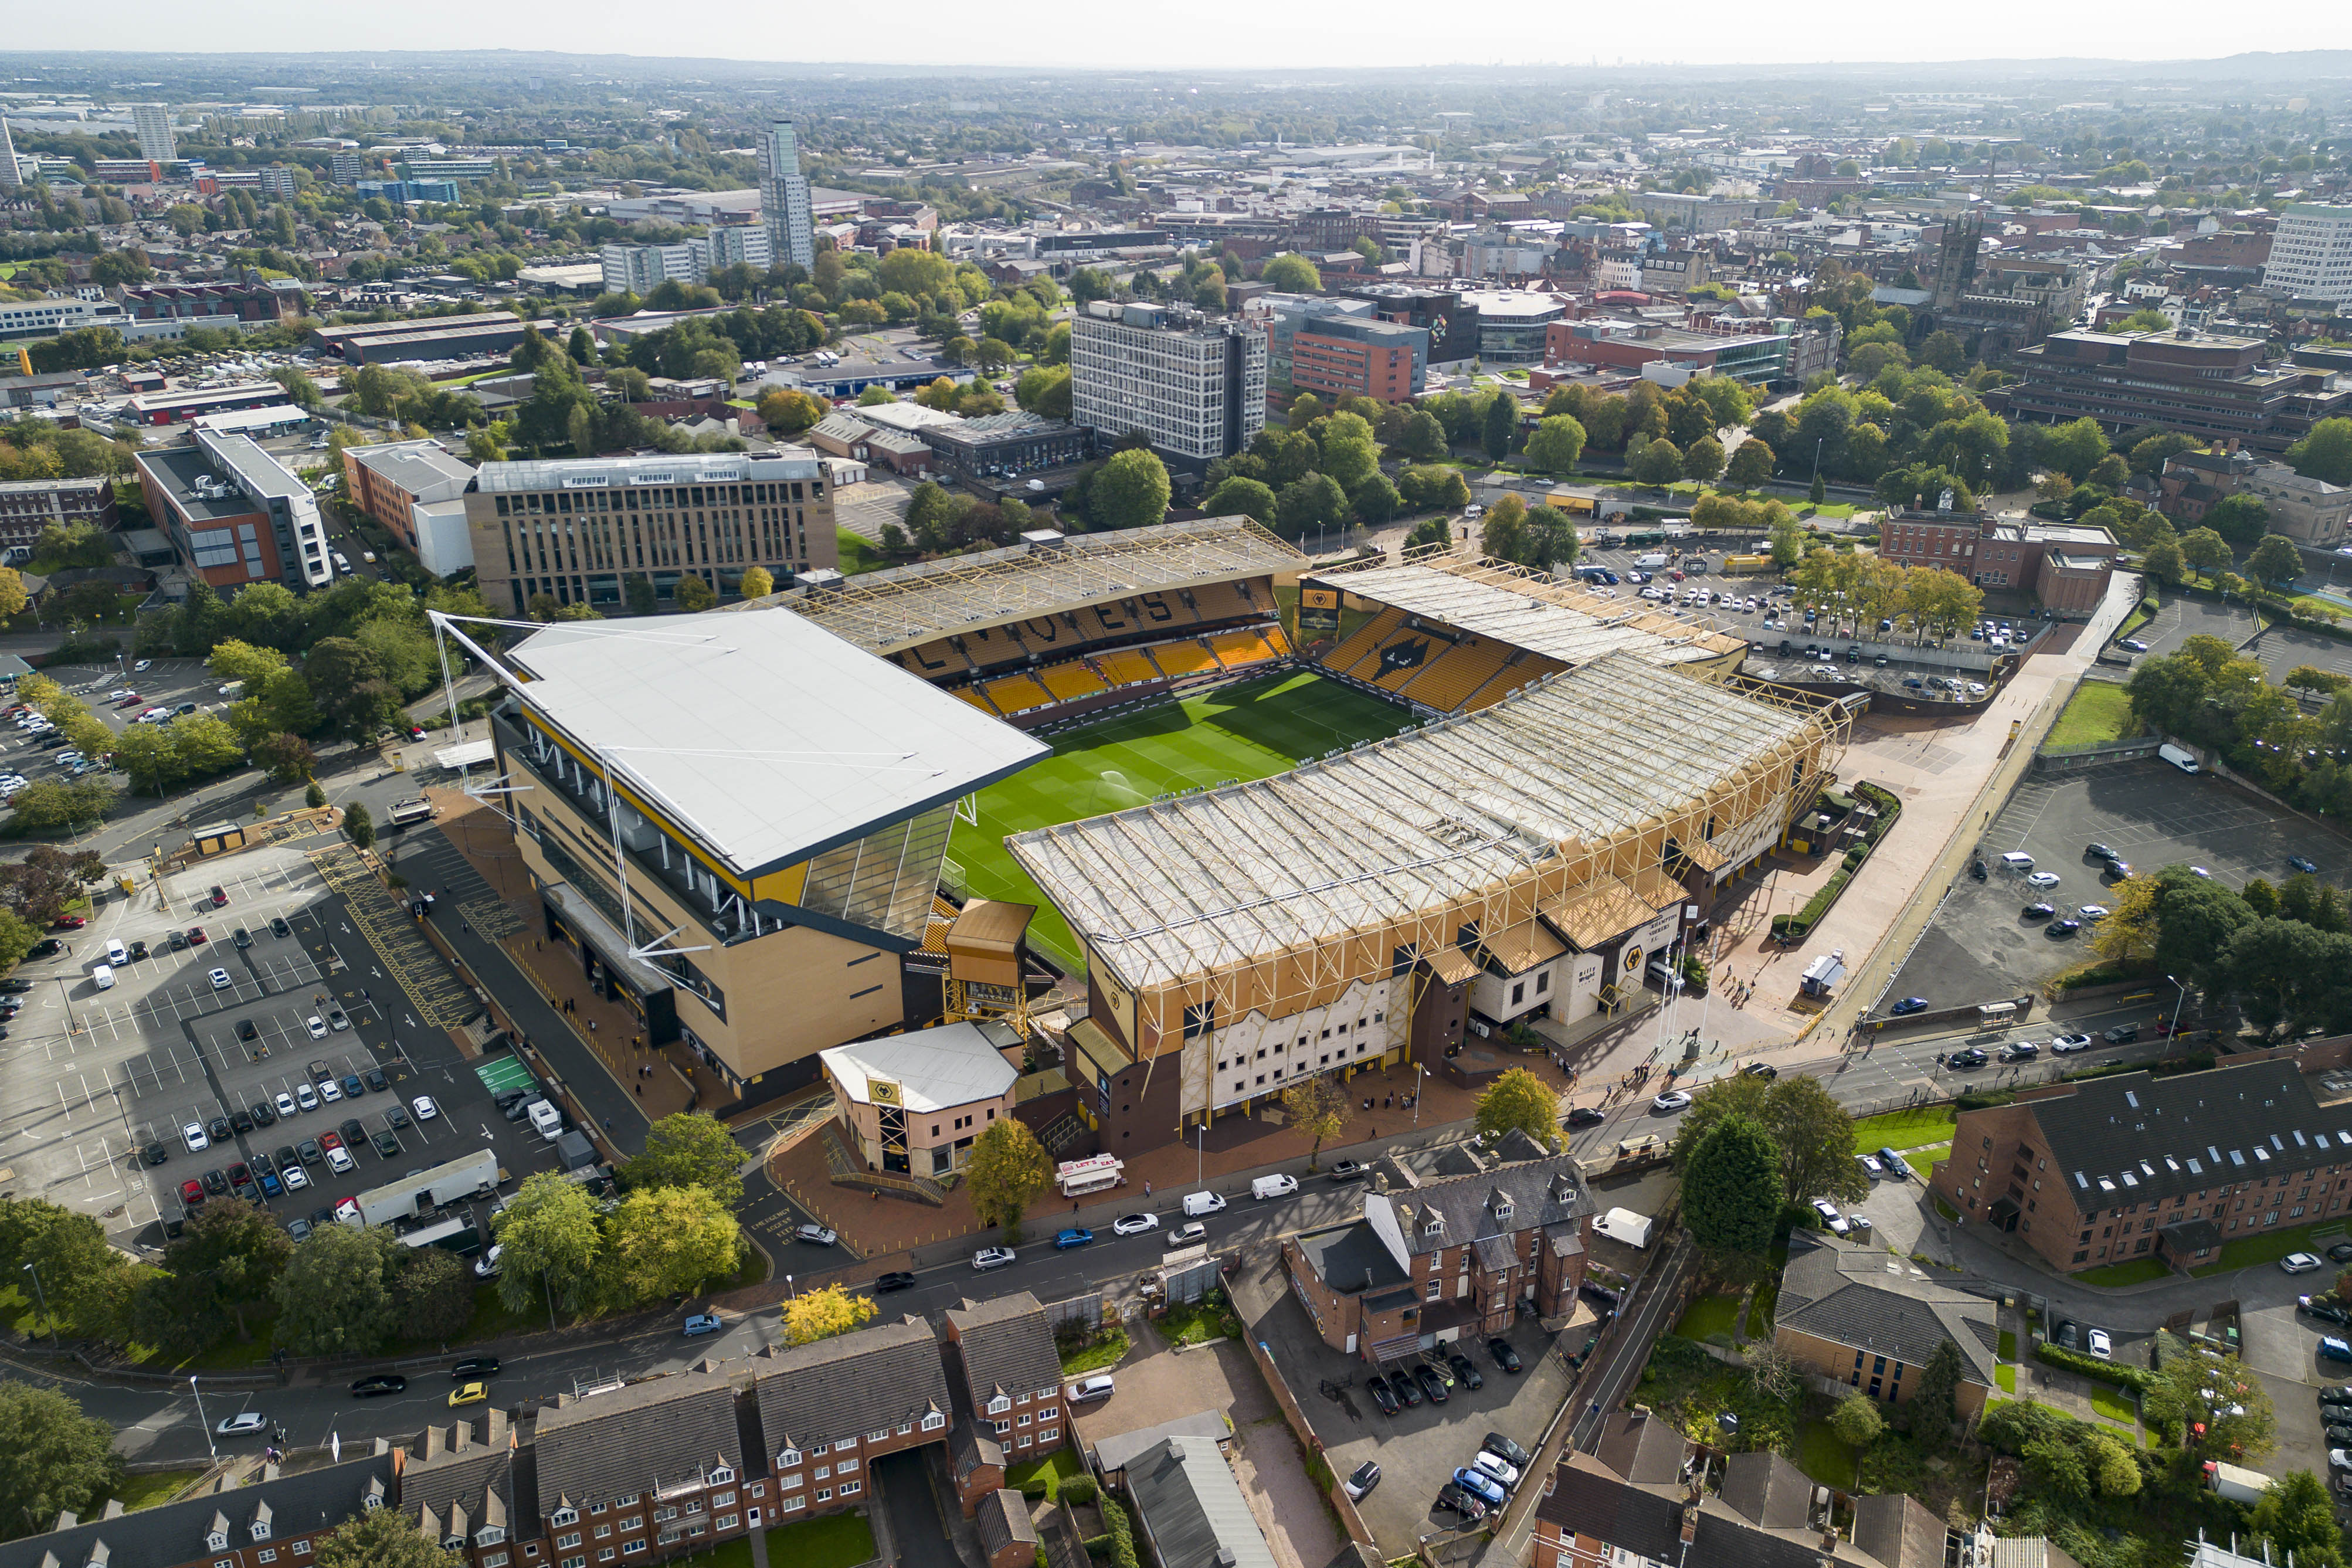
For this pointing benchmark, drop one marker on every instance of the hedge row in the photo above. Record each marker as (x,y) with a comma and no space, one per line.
(1797,927)
(1116,1545)
(2138,1379)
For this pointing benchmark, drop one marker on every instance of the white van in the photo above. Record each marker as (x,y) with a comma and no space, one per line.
(2180,757)
(1274,1187)
(1654,559)
(1196,1204)
(547,1120)
(102,976)
(2017,862)
(1662,975)
(116,953)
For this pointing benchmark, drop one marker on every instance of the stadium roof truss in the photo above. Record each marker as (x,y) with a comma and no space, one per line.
(890,611)
(1275,895)
(1516,604)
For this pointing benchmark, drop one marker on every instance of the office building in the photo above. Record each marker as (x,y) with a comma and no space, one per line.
(1002,445)
(233,514)
(387,482)
(641,269)
(48,316)
(571,530)
(152,121)
(784,207)
(789,798)
(2311,254)
(2064,565)
(2218,388)
(127,171)
(1346,351)
(434,169)
(1512,323)
(28,506)
(1195,387)
(1605,343)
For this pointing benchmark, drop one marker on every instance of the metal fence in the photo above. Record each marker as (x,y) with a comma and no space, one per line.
(1191,1283)
(1080,1314)
(2074,758)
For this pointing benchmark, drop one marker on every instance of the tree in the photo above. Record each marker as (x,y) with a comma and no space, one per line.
(758,583)
(1500,423)
(1703,460)
(694,596)
(2165,561)
(358,825)
(1522,1101)
(232,1254)
(669,1241)
(1659,464)
(2221,1408)
(2325,453)
(2275,561)
(1556,445)
(2240,520)
(87,1283)
(1245,497)
(1130,491)
(1421,438)
(1292,274)
(1348,452)
(814,1315)
(552,1242)
(1820,491)
(289,758)
(1856,1420)
(2075,449)
(1317,1109)
(1313,500)
(1750,464)
(690,1149)
(1944,350)
(334,1295)
(2297,1517)
(1375,500)
(1933,1405)
(2114,1471)
(1009,1168)
(53,1458)
(435,1292)
(787,411)
(2205,550)
(1812,1132)
(382,1538)
(1731,1195)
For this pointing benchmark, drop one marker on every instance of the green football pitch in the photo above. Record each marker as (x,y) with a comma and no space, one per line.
(1246,730)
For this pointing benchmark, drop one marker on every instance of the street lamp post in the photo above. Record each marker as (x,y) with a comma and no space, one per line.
(1200,1153)
(1419,1072)
(43,1296)
(788,1286)
(2178,1006)
(209,1445)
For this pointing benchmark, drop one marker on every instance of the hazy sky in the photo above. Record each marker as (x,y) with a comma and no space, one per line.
(1368,33)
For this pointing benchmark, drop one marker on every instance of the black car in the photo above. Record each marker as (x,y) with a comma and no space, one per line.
(278,926)
(2065,1335)
(15,987)
(242,1123)
(2338,1436)
(321,1216)
(1431,1383)
(2037,911)
(2341,1252)
(1764,1070)
(285,1158)
(219,1129)
(2064,928)
(1504,1356)
(395,1117)
(2335,1394)
(1382,1396)
(1971,1057)
(1349,1169)
(245,1029)
(179,942)
(507,1099)
(308,1151)
(1503,1449)
(2121,1035)
(215,1183)
(155,1154)
(262,1114)
(1585,1116)
(382,1383)
(386,1146)
(1401,1384)
(47,947)
(354,1133)
(475,1367)
(897,1280)
(1453,1500)
(2319,1306)
(1464,1370)
(376,1080)
(138,950)
(2336,1415)
(242,936)
(2097,852)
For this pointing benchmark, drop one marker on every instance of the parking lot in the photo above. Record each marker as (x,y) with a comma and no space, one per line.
(2282,649)
(2181,619)
(166,683)
(103,1083)
(1981,947)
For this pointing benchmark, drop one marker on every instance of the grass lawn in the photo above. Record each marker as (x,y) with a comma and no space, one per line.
(2114,1405)
(2008,1346)
(1945,1209)
(735,1553)
(1904,1129)
(1246,730)
(2269,1246)
(1924,1159)
(138,1491)
(2138,1271)
(1822,1456)
(1709,1315)
(856,554)
(2099,712)
(2141,613)
(1056,1468)
(1760,1306)
(1108,1350)
(1193,1323)
(2005,1375)
(835,1541)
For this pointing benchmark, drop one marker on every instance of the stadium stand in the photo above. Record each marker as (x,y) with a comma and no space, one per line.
(1388,656)
(937,659)
(1241,649)
(1179,659)
(1216,602)
(1447,681)
(992,647)
(1127,666)
(1017,693)
(1276,640)
(1070,680)
(1367,637)
(978,698)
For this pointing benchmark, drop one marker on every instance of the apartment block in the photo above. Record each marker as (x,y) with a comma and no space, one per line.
(152,121)
(2311,253)
(28,506)
(388,481)
(1195,387)
(785,207)
(640,268)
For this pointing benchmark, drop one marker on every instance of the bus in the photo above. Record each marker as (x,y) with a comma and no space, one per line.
(404,812)
(1098,1173)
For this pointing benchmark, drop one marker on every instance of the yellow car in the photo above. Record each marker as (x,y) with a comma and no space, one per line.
(471,1393)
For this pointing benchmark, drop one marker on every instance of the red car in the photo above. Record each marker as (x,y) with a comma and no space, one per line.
(331,1141)
(197,937)
(192,1193)
(131,699)
(69,923)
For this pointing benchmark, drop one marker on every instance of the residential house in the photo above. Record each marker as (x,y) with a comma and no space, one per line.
(1870,1321)
(830,1409)
(273,1522)
(651,1467)
(1002,1351)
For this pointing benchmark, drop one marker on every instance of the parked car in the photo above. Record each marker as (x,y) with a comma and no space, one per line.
(1909,1005)
(1377,1387)
(2300,1263)
(1830,1218)
(814,1235)
(1504,1356)
(1453,1500)
(1362,1480)
(2097,1343)
(1464,1370)
(702,1323)
(1479,1484)
(1431,1383)
(1498,1444)
(2325,1311)
(897,1280)
(1099,1387)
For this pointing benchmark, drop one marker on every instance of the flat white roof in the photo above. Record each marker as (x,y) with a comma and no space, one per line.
(954,1064)
(764,737)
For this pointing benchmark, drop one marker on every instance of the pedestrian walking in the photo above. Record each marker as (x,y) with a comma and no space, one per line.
(1147,1189)
(641,1091)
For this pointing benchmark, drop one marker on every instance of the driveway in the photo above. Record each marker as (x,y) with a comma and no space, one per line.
(918,1536)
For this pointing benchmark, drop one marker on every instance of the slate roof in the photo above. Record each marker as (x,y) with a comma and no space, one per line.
(1003,1520)
(1874,1301)
(467,1469)
(1726,1540)
(970,1448)
(597,1447)
(1767,1489)
(1586,1499)
(1191,1510)
(1113,1453)
(1006,1346)
(1541,1192)
(1647,1452)
(297,1505)
(1899,1531)
(2134,1138)
(851,1384)
(1349,1259)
